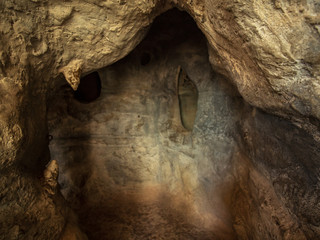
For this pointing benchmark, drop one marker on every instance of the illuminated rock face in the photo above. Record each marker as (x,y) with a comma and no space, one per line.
(144,141)
(232,171)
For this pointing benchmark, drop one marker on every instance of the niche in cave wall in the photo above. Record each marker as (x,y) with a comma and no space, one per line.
(127,162)
(130,147)
(89,88)
(188,99)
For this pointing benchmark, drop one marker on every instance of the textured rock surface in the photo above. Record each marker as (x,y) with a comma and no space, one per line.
(127,158)
(288,191)
(268,49)
(39,40)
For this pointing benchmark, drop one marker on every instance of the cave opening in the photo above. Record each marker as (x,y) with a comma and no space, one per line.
(89,88)
(133,154)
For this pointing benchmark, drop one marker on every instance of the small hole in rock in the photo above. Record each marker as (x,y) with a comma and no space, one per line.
(145,58)
(89,88)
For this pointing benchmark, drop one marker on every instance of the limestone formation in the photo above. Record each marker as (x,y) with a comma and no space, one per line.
(245,167)
(51,174)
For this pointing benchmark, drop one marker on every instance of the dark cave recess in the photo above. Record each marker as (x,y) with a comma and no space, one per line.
(89,88)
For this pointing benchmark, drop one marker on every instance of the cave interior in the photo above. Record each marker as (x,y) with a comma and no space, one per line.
(161,145)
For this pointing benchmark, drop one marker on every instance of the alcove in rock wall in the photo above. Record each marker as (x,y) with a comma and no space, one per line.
(170,150)
(142,159)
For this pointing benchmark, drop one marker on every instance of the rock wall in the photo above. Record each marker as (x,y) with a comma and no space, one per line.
(130,143)
(282,183)
(268,50)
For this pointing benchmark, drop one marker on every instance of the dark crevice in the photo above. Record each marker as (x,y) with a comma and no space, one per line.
(89,88)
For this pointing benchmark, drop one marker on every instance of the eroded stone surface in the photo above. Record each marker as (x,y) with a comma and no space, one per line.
(269,50)
(128,162)
(128,148)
